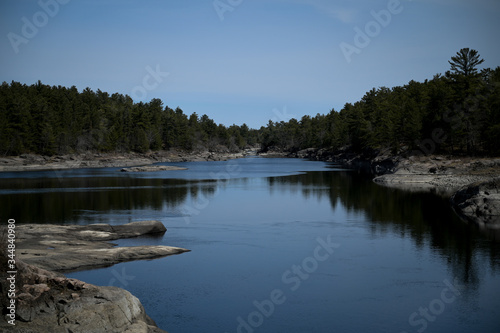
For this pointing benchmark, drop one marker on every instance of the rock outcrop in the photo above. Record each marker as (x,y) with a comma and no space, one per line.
(480,203)
(29,162)
(50,303)
(374,162)
(440,172)
(65,248)
(475,179)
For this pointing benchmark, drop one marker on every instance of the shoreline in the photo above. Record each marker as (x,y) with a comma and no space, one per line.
(472,184)
(30,162)
(69,248)
(444,175)
(51,303)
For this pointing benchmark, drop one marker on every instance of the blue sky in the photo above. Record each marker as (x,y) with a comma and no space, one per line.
(248,61)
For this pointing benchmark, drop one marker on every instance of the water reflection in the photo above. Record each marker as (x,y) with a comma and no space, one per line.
(425,217)
(56,201)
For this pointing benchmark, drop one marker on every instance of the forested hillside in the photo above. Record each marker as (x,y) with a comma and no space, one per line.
(455,113)
(56,120)
(458,113)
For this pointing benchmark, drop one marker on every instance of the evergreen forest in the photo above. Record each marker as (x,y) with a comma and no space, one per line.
(454,113)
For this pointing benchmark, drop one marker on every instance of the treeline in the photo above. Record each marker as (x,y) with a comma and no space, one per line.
(455,113)
(458,113)
(49,120)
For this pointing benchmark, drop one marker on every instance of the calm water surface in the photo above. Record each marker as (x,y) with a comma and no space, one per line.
(279,245)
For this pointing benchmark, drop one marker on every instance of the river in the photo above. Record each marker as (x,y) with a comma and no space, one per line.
(279,245)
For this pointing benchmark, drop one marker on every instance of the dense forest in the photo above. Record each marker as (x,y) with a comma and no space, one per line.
(56,120)
(455,113)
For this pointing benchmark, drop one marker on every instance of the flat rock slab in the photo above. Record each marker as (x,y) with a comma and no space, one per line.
(152,168)
(64,248)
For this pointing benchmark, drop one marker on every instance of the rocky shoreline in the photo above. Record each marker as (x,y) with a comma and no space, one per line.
(47,301)
(480,203)
(65,248)
(442,174)
(29,162)
(471,183)
(50,303)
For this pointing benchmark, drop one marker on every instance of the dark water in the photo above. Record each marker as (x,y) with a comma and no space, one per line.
(279,246)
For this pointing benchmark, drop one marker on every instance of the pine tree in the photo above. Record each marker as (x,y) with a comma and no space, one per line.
(465,62)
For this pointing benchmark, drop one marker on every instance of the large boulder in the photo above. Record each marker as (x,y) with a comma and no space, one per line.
(132,229)
(480,203)
(48,302)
